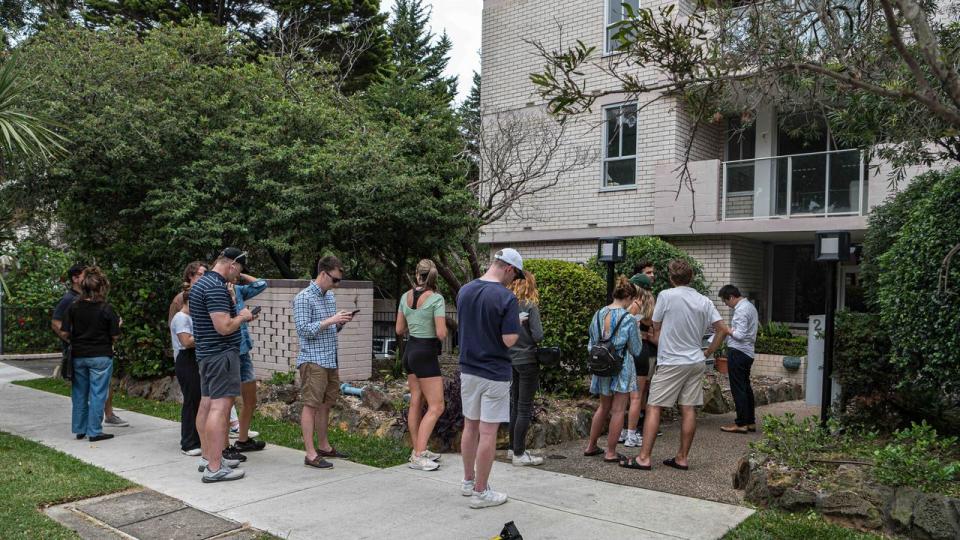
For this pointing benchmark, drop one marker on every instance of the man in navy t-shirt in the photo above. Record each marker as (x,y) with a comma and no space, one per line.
(489,320)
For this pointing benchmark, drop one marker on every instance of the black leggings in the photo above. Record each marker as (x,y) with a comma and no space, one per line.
(188,375)
(526,381)
(420,357)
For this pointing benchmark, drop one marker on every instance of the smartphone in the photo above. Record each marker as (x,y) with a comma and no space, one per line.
(255,310)
(354,312)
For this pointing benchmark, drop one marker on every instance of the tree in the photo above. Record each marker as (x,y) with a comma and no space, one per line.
(22,134)
(882,74)
(417,54)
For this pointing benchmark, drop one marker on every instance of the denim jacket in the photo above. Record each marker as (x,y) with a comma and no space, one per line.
(244,293)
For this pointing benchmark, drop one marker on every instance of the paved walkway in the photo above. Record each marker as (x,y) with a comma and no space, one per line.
(283,497)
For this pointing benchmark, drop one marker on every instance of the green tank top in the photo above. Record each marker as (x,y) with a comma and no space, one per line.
(420,321)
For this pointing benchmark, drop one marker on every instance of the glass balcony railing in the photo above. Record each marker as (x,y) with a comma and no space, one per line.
(819,184)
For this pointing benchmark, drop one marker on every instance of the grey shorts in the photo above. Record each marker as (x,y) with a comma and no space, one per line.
(485,400)
(220,375)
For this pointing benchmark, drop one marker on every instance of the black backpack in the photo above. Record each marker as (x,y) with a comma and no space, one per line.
(605,360)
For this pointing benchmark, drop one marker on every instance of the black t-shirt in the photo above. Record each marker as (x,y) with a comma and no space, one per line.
(92,326)
(60,312)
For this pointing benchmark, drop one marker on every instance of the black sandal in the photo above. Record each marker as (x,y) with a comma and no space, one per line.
(631,463)
(594,452)
(672,462)
(618,459)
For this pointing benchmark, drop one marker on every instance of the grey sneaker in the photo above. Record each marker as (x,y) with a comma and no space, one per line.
(225,474)
(527,459)
(224,462)
(487,498)
(193,452)
(634,441)
(423,463)
(466,488)
(431,455)
(115,421)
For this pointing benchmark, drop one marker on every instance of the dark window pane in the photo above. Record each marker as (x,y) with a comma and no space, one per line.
(741,143)
(845,182)
(622,172)
(798,287)
(613,133)
(628,127)
(808,193)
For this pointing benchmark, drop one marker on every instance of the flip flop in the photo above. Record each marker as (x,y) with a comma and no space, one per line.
(618,459)
(631,463)
(672,462)
(594,452)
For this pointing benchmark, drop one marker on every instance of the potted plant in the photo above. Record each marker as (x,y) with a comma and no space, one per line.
(720,359)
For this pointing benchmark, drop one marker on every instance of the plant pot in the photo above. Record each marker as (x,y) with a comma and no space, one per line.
(720,364)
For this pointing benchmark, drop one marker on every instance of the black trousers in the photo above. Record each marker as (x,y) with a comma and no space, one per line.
(738,368)
(188,375)
(526,381)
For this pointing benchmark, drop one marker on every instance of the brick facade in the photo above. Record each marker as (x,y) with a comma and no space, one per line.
(275,335)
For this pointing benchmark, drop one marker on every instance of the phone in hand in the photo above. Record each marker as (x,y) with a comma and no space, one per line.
(255,310)
(354,312)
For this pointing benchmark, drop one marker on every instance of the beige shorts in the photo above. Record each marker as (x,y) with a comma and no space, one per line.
(318,385)
(485,400)
(682,384)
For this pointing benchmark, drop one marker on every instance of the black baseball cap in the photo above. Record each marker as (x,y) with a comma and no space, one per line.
(75,270)
(235,254)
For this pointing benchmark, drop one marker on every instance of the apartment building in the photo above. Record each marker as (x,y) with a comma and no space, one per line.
(758,198)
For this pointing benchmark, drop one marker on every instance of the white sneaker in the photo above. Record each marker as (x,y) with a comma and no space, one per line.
(225,474)
(527,459)
(235,433)
(623,435)
(487,498)
(193,452)
(422,463)
(634,441)
(224,462)
(466,488)
(432,455)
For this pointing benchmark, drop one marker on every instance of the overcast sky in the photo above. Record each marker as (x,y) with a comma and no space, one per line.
(461,19)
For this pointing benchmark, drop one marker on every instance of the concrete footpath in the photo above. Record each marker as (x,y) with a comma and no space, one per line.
(283,497)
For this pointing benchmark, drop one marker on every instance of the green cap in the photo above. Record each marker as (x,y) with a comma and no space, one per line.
(642,281)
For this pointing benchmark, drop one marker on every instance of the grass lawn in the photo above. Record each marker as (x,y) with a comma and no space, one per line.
(777,525)
(369,450)
(33,475)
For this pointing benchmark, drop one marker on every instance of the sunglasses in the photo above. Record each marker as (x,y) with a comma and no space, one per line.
(334,279)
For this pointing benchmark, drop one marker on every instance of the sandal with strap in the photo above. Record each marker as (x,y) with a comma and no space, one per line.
(617,459)
(594,452)
(672,462)
(631,463)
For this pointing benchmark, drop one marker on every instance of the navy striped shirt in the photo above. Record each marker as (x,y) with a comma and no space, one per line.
(210,295)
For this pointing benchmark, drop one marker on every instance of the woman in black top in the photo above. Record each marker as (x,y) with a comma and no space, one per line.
(91,326)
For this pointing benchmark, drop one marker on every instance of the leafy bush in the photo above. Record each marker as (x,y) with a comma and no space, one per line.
(569,296)
(35,287)
(280,378)
(861,355)
(450,424)
(918,458)
(141,299)
(774,330)
(921,320)
(790,441)
(776,338)
(660,253)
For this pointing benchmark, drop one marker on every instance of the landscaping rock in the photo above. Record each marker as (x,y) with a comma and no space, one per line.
(741,477)
(274,409)
(849,476)
(936,516)
(901,509)
(795,499)
(850,505)
(373,398)
(284,393)
(713,402)
(778,482)
(756,490)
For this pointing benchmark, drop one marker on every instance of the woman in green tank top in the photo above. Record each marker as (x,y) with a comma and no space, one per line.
(422,318)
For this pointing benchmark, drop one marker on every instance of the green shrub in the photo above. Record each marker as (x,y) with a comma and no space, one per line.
(569,296)
(918,458)
(280,378)
(660,253)
(141,298)
(790,441)
(861,355)
(774,330)
(792,346)
(921,320)
(35,287)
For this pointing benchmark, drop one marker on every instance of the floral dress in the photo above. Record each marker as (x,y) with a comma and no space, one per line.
(627,341)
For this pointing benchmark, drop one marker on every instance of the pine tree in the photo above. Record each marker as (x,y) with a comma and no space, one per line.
(470,121)
(418,56)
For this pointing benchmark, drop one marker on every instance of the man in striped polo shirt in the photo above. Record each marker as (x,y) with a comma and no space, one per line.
(216,331)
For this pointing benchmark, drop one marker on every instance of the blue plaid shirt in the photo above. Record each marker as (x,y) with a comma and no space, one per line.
(317,345)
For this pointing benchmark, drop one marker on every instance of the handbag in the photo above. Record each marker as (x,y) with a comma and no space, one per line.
(66,364)
(548,356)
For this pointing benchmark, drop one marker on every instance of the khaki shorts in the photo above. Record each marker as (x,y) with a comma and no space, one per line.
(318,385)
(682,384)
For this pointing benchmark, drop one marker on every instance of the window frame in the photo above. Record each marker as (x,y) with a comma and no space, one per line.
(607,50)
(622,157)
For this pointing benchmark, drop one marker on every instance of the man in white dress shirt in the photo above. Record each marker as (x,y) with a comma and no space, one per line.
(740,353)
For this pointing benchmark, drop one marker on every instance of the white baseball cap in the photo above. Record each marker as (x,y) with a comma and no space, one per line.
(513,258)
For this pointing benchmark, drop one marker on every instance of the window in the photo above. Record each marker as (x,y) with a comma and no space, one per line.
(616,12)
(620,145)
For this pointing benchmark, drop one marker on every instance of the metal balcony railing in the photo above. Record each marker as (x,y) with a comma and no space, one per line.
(818,184)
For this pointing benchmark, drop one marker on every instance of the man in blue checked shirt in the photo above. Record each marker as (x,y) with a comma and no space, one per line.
(318,321)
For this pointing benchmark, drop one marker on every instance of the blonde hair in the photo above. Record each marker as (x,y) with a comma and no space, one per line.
(426,275)
(624,289)
(646,304)
(526,289)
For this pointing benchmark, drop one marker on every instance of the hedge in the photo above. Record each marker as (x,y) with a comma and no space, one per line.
(792,346)
(569,296)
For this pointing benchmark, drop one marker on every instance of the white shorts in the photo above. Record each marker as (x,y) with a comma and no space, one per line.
(485,400)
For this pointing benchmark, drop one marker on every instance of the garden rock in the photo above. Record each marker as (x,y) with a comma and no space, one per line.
(901,509)
(373,398)
(284,393)
(741,477)
(713,402)
(756,490)
(851,505)
(778,482)
(849,476)
(795,499)
(936,516)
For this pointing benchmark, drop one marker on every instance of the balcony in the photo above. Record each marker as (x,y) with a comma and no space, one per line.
(819,184)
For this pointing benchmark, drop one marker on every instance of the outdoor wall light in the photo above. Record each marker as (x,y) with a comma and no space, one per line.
(832,246)
(612,250)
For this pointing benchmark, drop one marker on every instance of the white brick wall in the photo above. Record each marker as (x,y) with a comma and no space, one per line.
(275,335)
